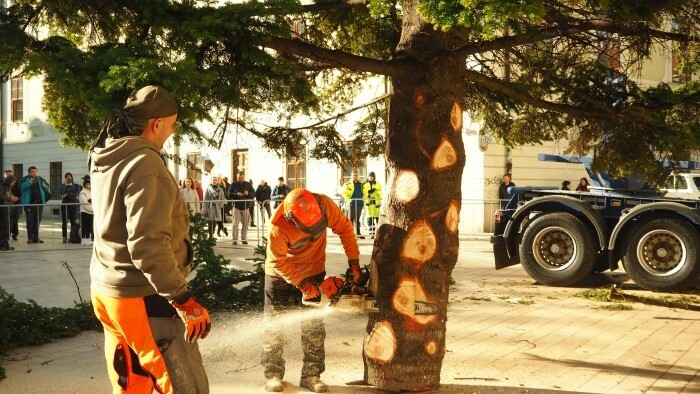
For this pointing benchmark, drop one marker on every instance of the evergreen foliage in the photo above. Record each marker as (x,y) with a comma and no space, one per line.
(534,71)
(217,285)
(28,324)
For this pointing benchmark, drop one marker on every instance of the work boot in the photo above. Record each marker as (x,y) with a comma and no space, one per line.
(314,384)
(274,385)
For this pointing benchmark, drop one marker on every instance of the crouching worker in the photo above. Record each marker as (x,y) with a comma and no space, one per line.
(294,267)
(142,254)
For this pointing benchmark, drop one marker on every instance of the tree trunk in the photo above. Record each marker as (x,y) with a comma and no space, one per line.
(417,242)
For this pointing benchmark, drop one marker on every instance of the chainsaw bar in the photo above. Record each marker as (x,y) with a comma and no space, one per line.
(364,303)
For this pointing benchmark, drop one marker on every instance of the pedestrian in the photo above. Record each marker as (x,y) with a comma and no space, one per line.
(582,185)
(142,255)
(35,191)
(294,267)
(352,193)
(566,185)
(198,188)
(251,209)
(372,192)
(69,209)
(214,207)
(225,184)
(7,200)
(86,215)
(14,211)
(190,196)
(503,193)
(262,195)
(280,192)
(242,194)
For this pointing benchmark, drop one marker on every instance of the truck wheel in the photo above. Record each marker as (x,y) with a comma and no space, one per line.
(557,249)
(661,255)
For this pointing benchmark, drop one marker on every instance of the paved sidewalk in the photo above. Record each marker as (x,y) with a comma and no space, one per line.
(505,334)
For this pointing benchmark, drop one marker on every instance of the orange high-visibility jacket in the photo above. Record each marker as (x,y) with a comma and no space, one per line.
(295,255)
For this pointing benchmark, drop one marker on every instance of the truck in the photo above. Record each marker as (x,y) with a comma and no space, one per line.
(560,236)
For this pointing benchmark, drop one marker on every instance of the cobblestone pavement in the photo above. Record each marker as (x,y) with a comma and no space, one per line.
(505,333)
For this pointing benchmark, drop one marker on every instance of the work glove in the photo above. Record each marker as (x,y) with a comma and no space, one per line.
(309,291)
(355,267)
(195,316)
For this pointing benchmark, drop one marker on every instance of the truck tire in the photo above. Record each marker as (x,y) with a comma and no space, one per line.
(557,249)
(661,255)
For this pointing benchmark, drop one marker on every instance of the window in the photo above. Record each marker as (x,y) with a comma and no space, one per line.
(239,162)
(18,171)
(358,161)
(194,166)
(296,168)
(16,99)
(55,177)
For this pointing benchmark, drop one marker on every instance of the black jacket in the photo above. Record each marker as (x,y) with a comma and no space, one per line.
(263,193)
(240,187)
(71,191)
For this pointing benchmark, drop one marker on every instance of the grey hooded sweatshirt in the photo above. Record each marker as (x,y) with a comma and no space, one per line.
(141,223)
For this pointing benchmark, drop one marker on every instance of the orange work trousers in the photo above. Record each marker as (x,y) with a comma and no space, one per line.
(145,347)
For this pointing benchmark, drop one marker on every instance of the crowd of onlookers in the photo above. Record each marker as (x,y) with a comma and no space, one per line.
(222,202)
(29,194)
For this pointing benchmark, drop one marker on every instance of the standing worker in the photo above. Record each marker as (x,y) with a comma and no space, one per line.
(142,255)
(294,267)
(372,191)
(352,193)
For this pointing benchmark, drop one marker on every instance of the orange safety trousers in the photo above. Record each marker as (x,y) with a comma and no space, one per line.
(146,353)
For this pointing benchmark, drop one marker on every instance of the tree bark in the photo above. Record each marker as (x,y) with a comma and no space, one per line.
(417,241)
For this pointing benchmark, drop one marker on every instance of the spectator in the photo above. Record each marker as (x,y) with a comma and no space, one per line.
(263,194)
(198,188)
(566,185)
(294,268)
(225,184)
(214,207)
(7,199)
(372,191)
(14,211)
(280,192)
(190,196)
(36,191)
(142,255)
(86,212)
(251,209)
(69,209)
(242,194)
(503,193)
(582,185)
(352,193)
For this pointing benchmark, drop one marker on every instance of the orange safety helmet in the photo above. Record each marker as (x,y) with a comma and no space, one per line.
(303,210)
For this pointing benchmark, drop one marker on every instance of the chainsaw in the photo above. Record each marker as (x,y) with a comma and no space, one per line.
(342,294)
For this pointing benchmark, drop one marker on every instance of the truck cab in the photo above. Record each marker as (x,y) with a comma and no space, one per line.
(685,186)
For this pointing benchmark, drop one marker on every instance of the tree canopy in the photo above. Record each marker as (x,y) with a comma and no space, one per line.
(533,70)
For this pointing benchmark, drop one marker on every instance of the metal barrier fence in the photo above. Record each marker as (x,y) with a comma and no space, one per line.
(475,219)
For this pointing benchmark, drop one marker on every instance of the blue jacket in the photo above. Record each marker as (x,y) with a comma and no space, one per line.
(27,194)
